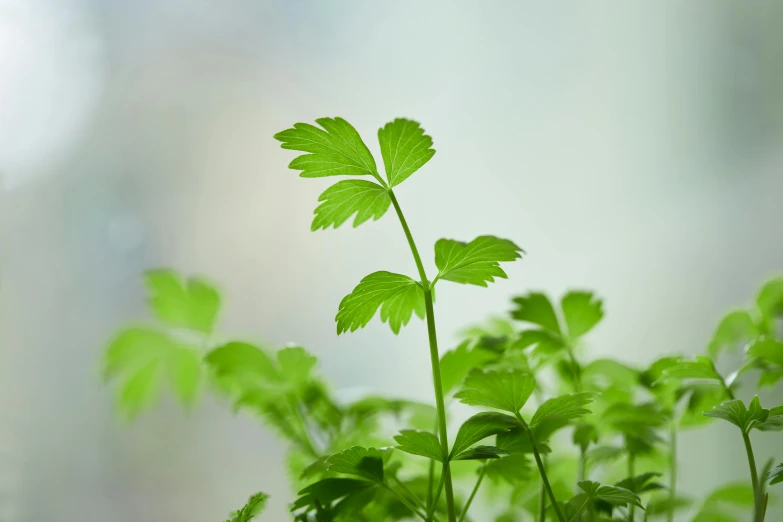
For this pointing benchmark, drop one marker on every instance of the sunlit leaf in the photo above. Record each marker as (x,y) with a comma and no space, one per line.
(405,148)
(342,200)
(503,390)
(334,150)
(398,296)
(476,262)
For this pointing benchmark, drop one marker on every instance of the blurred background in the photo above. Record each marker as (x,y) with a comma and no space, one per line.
(634,148)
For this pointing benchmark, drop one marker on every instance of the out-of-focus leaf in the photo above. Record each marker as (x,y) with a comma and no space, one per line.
(582,311)
(503,390)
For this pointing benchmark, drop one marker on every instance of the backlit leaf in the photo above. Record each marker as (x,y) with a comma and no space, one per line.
(334,150)
(251,509)
(405,148)
(476,262)
(342,200)
(398,296)
(506,390)
(366,463)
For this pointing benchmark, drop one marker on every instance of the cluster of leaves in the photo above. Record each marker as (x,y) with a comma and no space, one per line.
(559,437)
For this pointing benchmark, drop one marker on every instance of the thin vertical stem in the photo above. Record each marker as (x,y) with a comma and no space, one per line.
(541,469)
(434,359)
(754,474)
(631,507)
(473,493)
(672,470)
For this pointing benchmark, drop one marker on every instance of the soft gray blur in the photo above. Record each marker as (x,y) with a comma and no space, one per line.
(633,148)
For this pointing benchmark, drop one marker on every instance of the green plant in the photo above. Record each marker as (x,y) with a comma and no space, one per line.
(529,372)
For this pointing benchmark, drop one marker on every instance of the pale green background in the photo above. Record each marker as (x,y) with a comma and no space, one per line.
(631,147)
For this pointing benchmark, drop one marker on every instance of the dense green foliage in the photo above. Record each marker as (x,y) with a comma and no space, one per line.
(559,436)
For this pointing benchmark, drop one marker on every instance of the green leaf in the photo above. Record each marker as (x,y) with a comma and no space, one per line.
(504,390)
(735,329)
(398,297)
(640,483)
(243,363)
(140,357)
(661,506)
(456,364)
(775,476)
(770,298)
(546,343)
(479,427)
(481,453)
(584,435)
(189,303)
(737,494)
(405,148)
(556,412)
(633,419)
(582,311)
(251,509)
(736,413)
(699,368)
(774,420)
(296,364)
(614,495)
(475,263)
(421,443)
(512,469)
(366,463)
(516,441)
(537,309)
(342,200)
(767,348)
(335,150)
(326,491)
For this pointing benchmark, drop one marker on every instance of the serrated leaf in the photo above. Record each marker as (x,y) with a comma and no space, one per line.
(512,469)
(334,150)
(342,200)
(774,420)
(481,453)
(767,348)
(614,495)
(581,311)
(640,483)
(735,329)
(479,427)
(476,262)
(326,491)
(140,357)
(422,443)
(398,296)
(557,412)
(251,509)
(775,476)
(506,390)
(736,413)
(405,148)
(456,364)
(366,463)
(188,303)
(700,368)
(536,308)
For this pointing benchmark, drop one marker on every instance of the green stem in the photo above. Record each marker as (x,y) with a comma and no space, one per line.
(430,483)
(582,463)
(541,470)
(406,503)
(581,508)
(754,474)
(411,494)
(541,500)
(436,498)
(473,493)
(631,507)
(672,471)
(305,441)
(434,359)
